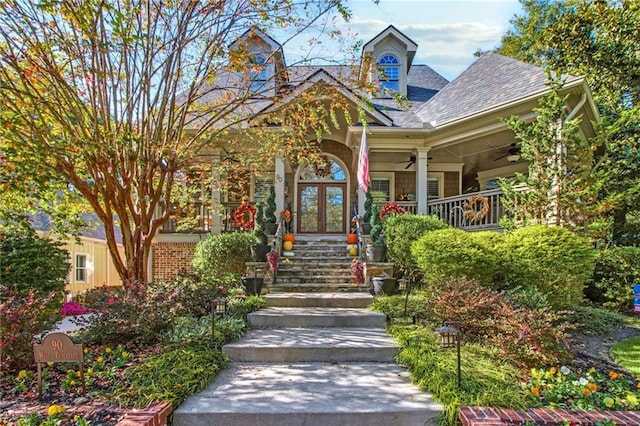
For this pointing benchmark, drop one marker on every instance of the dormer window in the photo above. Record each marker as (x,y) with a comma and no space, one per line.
(258,75)
(389,73)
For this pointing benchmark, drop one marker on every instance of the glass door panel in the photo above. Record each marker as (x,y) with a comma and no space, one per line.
(308,202)
(334,205)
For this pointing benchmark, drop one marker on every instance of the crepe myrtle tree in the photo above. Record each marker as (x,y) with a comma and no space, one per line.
(117,101)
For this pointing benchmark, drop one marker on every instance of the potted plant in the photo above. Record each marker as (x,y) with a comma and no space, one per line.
(366,218)
(376,250)
(270,220)
(261,247)
(384,284)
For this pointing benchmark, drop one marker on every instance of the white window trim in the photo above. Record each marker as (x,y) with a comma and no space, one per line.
(86,268)
(259,176)
(392,181)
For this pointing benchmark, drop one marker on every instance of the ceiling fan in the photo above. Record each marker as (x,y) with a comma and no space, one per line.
(412,161)
(512,154)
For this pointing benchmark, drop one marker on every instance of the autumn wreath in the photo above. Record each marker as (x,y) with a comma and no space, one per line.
(244,216)
(476,208)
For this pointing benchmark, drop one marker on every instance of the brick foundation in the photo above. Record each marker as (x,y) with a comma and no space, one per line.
(171,258)
(155,415)
(485,416)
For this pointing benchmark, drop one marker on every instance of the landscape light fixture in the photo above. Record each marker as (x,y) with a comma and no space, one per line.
(450,338)
(218,307)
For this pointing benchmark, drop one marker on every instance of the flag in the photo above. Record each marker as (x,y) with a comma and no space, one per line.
(363,163)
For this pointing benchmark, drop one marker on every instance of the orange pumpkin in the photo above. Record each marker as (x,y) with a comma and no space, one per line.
(289,237)
(352,239)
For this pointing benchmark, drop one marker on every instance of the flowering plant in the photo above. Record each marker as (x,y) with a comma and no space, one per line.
(286,215)
(72,308)
(391,207)
(272,258)
(244,216)
(357,270)
(564,388)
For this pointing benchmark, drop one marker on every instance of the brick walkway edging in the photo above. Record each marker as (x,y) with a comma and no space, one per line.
(486,416)
(155,415)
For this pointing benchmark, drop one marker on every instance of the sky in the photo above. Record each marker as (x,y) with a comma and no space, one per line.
(447,32)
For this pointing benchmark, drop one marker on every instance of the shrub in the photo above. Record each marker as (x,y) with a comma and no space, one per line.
(221,254)
(33,263)
(447,254)
(596,321)
(528,337)
(73,308)
(554,260)
(194,297)
(616,270)
(19,322)
(377,238)
(99,298)
(270,208)
(401,231)
(141,314)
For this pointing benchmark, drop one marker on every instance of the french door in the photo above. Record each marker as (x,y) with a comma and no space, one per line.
(322,208)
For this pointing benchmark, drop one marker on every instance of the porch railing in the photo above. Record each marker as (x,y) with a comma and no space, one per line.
(200,216)
(452,210)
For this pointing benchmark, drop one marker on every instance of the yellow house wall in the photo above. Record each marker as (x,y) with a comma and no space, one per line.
(100,268)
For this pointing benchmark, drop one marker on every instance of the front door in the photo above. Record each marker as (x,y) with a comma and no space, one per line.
(322,199)
(322,208)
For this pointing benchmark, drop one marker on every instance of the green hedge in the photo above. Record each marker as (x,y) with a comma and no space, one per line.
(452,254)
(616,270)
(552,259)
(402,231)
(222,254)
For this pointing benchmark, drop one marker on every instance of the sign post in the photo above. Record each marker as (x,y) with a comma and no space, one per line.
(58,347)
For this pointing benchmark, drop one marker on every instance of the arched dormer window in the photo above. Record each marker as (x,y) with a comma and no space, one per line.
(390,73)
(258,75)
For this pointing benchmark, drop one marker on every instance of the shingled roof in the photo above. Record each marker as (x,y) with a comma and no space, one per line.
(491,81)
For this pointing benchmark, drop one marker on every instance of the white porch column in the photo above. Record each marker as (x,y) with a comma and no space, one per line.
(421,179)
(216,196)
(279,183)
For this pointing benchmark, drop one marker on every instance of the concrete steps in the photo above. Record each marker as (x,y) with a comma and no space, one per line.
(314,317)
(320,264)
(310,394)
(314,345)
(314,359)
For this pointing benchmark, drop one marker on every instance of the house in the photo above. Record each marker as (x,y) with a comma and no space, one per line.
(430,153)
(89,257)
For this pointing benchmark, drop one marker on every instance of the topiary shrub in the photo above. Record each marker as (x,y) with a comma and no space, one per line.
(452,254)
(368,206)
(377,238)
(554,260)
(221,254)
(401,231)
(270,208)
(616,270)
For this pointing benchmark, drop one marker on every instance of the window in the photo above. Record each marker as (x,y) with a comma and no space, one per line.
(261,189)
(81,268)
(258,75)
(390,73)
(435,185)
(381,189)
